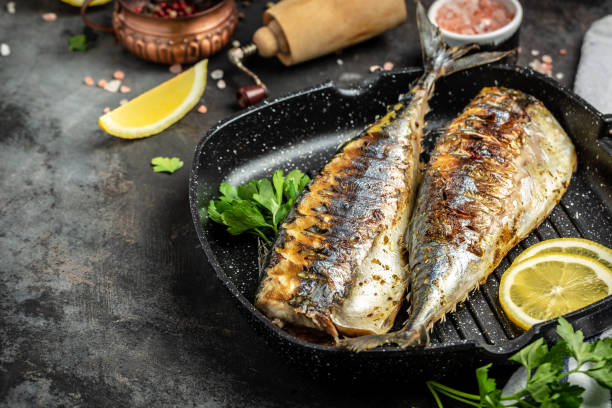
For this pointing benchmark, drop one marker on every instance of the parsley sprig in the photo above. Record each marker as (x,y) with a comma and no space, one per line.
(259,206)
(544,372)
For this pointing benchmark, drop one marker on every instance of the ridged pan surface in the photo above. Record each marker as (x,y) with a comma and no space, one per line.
(304,129)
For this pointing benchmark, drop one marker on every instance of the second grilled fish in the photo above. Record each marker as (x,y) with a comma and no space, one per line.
(337,264)
(495,174)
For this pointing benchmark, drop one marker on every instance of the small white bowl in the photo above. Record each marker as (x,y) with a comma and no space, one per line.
(492,38)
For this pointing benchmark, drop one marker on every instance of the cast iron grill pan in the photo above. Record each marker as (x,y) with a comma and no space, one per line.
(304,129)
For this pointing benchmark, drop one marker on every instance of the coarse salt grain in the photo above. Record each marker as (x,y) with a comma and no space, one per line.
(112,86)
(89,81)
(388,66)
(107,109)
(559,75)
(123,102)
(124,89)
(102,83)
(50,17)
(10,7)
(176,68)
(216,74)
(5,50)
(235,43)
(221,84)
(202,109)
(547,59)
(118,75)
(535,53)
(339,61)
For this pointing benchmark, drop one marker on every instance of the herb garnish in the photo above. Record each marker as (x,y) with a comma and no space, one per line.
(544,371)
(259,206)
(166,164)
(77,43)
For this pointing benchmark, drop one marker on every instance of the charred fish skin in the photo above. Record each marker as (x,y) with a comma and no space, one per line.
(359,203)
(494,176)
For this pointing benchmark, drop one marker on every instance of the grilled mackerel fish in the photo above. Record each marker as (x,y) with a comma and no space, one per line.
(338,264)
(494,176)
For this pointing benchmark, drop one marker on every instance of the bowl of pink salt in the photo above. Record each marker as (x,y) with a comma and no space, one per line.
(483,22)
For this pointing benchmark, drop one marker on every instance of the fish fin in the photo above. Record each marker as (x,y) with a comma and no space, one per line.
(442,60)
(403,338)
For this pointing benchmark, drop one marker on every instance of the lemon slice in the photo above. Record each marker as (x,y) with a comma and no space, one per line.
(552,284)
(577,246)
(79,3)
(158,108)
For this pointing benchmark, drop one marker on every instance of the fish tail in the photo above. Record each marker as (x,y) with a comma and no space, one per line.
(439,59)
(415,336)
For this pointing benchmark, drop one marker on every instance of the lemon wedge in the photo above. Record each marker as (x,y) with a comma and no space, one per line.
(158,108)
(577,246)
(552,284)
(79,3)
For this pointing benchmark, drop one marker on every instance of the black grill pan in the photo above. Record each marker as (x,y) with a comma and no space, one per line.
(304,129)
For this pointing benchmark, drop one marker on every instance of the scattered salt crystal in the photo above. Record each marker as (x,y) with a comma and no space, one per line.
(107,109)
(119,75)
(375,68)
(535,53)
(547,59)
(112,86)
(88,81)
(221,84)
(124,89)
(235,43)
(176,68)
(216,74)
(519,50)
(559,75)
(562,51)
(123,102)
(102,83)
(202,109)
(50,17)
(388,66)
(10,7)
(339,61)
(5,50)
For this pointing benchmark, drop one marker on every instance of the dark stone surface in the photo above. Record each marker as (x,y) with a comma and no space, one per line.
(105,296)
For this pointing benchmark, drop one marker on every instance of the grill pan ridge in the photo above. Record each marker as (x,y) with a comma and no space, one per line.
(302,130)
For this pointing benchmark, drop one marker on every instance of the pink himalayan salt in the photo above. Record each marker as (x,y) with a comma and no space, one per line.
(473,16)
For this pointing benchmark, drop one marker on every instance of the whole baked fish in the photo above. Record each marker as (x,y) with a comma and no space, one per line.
(495,174)
(337,264)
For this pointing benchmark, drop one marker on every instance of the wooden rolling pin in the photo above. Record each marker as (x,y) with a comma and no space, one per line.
(300,30)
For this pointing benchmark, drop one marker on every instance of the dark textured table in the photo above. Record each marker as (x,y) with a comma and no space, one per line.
(105,295)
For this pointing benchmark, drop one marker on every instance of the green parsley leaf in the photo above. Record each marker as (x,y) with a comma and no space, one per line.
(531,355)
(258,206)
(538,385)
(166,164)
(568,395)
(490,396)
(77,43)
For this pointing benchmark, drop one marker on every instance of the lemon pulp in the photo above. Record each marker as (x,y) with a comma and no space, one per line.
(158,108)
(550,285)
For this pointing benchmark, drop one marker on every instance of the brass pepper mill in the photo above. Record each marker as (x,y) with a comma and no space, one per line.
(300,30)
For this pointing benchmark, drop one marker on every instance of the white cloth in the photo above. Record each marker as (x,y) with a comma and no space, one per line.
(595,69)
(594,396)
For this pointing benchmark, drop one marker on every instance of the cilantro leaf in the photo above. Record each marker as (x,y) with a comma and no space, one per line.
(77,43)
(166,164)
(531,355)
